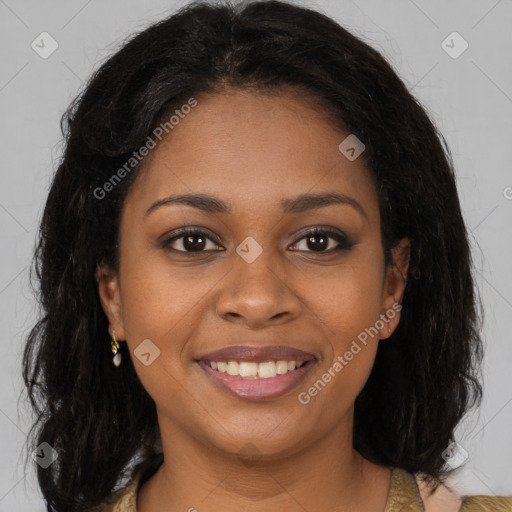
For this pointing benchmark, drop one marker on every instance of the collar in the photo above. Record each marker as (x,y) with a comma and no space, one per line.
(404,494)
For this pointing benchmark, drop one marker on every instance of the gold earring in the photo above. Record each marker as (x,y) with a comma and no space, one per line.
(114,345)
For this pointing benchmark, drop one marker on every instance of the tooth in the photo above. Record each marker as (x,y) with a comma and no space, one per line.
(248,369)
(281,367)
(267,369)
(232,368)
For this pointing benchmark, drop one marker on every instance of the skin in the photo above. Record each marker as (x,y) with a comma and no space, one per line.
(251,151)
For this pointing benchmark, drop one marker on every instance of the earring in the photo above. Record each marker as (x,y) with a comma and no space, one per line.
(114,345)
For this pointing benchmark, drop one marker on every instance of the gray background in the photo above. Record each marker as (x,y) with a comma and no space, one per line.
(469,98)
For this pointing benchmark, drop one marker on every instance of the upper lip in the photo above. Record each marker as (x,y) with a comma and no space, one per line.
(258,354)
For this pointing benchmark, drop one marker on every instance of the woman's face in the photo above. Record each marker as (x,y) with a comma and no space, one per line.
(254,277)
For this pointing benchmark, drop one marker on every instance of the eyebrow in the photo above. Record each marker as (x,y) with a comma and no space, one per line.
(299,204)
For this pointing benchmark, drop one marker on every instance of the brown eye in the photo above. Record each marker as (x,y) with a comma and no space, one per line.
(193,242)
(321,241)
(189,242)
(318,242)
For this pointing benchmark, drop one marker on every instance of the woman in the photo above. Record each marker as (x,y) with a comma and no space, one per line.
(256,279)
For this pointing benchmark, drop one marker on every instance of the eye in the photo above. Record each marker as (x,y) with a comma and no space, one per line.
(321,241)
(317,240)
(189,241)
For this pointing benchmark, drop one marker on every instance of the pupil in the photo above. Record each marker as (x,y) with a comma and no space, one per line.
(322,246)
(193,246)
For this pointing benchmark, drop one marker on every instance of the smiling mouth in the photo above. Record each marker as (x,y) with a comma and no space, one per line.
(250,380)
(255,370)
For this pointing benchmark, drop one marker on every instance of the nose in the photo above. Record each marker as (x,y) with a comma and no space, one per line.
(255,295)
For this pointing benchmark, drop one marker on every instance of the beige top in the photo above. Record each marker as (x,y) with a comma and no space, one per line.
(407,494)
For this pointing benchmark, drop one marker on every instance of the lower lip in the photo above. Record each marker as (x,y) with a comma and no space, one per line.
(258,389)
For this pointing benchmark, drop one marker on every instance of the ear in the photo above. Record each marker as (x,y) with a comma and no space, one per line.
(394,287)
(108,289)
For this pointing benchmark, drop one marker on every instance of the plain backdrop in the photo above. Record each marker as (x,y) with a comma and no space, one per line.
(467,93)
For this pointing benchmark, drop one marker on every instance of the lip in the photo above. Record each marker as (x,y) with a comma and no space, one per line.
(258,388)
(258,354)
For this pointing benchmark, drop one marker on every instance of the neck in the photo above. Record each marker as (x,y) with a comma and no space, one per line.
(326,475)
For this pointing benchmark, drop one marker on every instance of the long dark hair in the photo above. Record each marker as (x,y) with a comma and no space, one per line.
(99,419)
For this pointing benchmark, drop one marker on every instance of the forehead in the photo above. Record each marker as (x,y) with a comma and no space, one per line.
(250,147)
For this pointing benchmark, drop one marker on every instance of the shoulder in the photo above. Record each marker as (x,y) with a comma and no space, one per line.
(408,493)
(486,503)
(445,499)
(122,500)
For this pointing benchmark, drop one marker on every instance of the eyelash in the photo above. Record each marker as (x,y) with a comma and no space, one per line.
(344,244)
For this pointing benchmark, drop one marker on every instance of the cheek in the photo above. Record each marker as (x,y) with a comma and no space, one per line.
(163,307)
(146,307)
(156,302)
(349,309)
(164,304)
(351,301)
